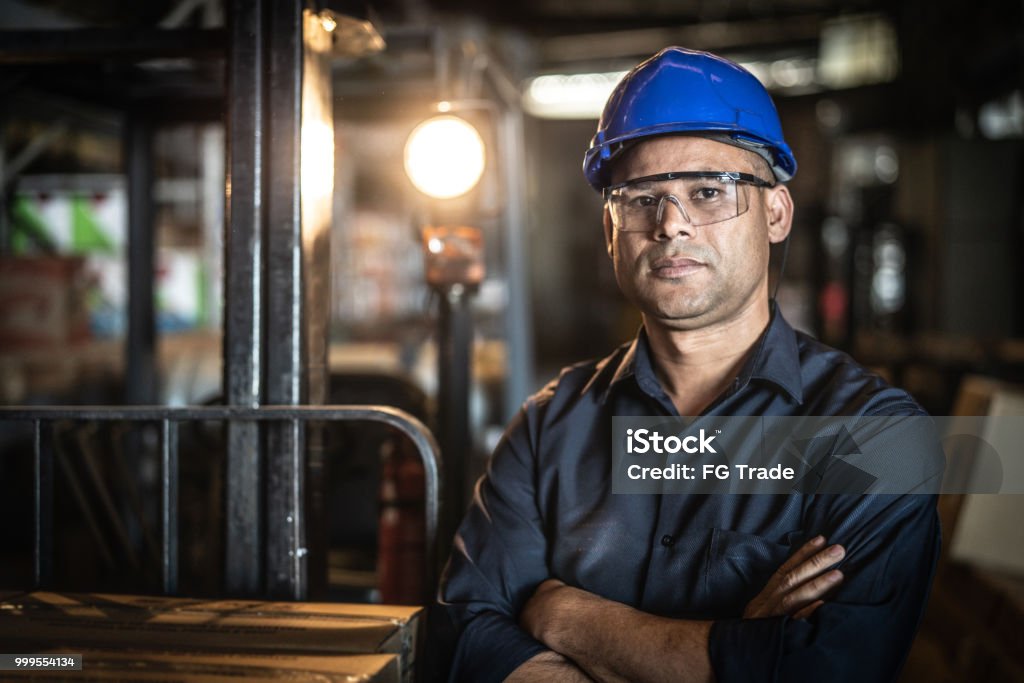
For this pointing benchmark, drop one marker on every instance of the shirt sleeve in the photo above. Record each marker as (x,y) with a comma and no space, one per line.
(864,630)
(498,559)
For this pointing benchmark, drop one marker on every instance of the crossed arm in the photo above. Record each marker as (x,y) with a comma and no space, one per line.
(509,615)
(591,637)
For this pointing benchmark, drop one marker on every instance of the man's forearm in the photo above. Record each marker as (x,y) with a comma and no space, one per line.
(615,642)
(612,641)
(548,666)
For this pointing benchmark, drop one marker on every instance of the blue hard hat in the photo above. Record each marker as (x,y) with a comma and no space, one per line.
(686,91)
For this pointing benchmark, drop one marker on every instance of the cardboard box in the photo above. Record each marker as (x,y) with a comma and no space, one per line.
(72,622)
(42,302)
(193,667)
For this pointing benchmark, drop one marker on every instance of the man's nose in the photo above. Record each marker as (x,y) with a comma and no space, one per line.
(669,222)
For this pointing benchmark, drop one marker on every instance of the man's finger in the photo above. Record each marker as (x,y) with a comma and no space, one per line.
(786,592)
(810,591)
(802,553)
(816,565)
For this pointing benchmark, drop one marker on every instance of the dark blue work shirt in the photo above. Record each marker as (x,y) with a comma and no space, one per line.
(545,509)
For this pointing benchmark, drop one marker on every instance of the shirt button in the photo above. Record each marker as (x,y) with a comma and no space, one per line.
(667,541)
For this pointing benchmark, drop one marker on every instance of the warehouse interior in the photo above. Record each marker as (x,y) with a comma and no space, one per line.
(212,207)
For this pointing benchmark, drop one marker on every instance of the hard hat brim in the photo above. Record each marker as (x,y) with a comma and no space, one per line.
(598,159)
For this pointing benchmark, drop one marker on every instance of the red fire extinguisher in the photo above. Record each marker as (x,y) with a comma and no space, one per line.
(401,546)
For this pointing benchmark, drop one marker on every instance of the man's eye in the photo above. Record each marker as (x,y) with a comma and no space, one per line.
(706,194)
(643,201)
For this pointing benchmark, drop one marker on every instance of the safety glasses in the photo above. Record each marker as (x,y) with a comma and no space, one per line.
(702,197)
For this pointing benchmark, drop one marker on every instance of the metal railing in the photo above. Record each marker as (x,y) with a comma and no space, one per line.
(169,419)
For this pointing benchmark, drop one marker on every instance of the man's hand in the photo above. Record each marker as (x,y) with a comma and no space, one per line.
(537,616)
(797,587)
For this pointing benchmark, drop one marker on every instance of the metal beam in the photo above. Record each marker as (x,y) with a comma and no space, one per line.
(300,166)
(43,498)
(285,353)
(243,286)
(454,355)
(180,13)
(99,44)
(32,151)
(169,486)
(140,343)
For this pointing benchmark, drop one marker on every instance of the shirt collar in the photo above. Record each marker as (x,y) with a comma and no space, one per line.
(776,359)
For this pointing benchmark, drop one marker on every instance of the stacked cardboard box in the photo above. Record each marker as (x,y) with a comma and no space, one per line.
(201,635)
(192,667)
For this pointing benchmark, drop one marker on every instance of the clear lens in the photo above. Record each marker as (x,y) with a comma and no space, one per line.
(700,201)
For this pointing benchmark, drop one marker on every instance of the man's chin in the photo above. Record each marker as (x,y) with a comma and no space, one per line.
(686,317)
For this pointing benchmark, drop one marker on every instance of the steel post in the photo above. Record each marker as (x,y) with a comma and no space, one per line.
(455,374)
(243,288)
(140,369)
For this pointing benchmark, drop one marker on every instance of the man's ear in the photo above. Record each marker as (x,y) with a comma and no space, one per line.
(607,219)
(778,212)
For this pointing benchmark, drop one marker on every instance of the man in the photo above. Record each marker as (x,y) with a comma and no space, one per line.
(553,576)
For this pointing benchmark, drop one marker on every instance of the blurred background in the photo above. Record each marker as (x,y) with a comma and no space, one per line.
(453,275)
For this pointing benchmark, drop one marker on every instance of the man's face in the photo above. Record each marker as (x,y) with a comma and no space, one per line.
(689,277)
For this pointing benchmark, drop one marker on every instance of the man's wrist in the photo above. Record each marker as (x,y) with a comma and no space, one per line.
(547,665)
(558,614)
(539,616)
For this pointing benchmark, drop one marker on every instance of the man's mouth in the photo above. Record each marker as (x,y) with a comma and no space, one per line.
(671,267)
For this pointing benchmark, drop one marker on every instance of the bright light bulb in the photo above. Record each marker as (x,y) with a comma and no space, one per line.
(328,22)
(444,157)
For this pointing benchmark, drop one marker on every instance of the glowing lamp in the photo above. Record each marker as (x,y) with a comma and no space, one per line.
(444,157)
